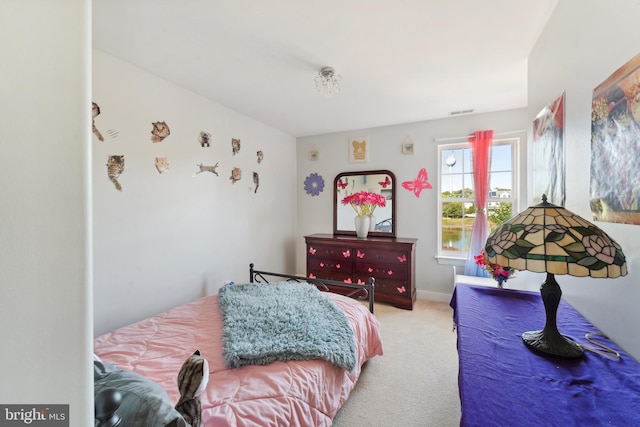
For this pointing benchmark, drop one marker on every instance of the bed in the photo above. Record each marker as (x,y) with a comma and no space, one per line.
(282,393)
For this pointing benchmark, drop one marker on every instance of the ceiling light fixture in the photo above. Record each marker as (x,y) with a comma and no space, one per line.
(327,81)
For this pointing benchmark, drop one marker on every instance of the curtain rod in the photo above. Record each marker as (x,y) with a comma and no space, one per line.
(467,136)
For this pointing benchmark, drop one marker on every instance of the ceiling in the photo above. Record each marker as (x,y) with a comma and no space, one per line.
(400,60)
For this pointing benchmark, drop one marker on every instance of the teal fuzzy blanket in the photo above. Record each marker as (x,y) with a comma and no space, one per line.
(268,322)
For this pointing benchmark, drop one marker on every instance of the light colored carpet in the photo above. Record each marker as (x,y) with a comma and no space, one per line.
(415,382)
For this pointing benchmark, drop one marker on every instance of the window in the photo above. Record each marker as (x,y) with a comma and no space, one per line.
(456,204)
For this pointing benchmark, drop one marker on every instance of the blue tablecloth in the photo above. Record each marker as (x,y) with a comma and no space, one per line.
(504,383)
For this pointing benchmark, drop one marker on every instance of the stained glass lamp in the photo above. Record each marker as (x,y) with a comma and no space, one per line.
(546,238)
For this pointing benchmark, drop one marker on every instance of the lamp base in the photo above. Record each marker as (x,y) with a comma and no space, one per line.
(553,344)
(549,340)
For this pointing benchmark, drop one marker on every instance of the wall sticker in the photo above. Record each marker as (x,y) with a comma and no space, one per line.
(115,167)
(418,184)
(160,131)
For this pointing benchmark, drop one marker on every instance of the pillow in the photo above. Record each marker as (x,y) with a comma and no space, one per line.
(144,402)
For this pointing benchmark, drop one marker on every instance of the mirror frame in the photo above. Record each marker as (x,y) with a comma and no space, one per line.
(336,203)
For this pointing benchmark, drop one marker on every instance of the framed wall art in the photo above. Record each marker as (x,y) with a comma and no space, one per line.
(547,156)
(615,146)
(407,147)
(359,149)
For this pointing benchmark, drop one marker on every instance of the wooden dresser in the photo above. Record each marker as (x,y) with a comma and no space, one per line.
(390,261)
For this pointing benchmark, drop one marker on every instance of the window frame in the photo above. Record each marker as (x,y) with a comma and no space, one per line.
(458,257)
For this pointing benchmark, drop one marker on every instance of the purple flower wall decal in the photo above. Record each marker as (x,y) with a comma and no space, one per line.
(314,184)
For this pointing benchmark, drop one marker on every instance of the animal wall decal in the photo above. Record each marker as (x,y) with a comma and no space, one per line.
(205,139)
(160,131)
(419,184)
(235,146)
(95,111)
(385,183)
(260,155)
(162,164)
(343,184)
(256,181)
(236,175)
(205,168)
(115,167)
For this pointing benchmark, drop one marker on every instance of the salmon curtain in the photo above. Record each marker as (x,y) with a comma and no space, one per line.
(480,143)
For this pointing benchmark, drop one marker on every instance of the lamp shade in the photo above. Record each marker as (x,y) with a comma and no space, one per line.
(546,238)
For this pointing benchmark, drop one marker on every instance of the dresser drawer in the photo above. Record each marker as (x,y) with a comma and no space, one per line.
(325,266)
(330,275)
(386,286)
(329,252)
(381,256)
(382,271)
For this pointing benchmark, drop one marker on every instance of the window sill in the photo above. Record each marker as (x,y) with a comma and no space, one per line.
(451,260)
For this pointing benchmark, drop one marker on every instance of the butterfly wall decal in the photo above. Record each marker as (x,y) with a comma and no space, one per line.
(419,184)
(385,183)
(343,185)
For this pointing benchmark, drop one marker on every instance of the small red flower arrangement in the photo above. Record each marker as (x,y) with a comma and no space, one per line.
(496,271)
(364,202)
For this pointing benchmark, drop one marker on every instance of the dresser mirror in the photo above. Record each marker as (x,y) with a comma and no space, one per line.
(381,182)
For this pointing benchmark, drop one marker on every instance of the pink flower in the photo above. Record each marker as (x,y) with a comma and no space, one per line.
(364,202)
(495,270)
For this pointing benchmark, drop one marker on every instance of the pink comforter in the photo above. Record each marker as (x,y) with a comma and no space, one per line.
(302,393)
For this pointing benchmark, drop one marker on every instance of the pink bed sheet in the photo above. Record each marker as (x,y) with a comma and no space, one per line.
(295,393)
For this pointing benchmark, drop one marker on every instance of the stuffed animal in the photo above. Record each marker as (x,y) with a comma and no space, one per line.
(192,380)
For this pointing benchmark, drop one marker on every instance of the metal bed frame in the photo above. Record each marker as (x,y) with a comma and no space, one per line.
(361,292)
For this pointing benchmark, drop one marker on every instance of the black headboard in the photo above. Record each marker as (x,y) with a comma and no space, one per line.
(363,292)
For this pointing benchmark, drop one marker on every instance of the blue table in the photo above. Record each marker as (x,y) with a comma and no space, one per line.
(504,383)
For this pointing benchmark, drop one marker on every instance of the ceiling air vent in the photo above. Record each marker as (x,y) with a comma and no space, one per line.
(457,113)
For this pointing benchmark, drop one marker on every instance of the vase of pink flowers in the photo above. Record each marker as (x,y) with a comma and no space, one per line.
(499,273)
(364,203)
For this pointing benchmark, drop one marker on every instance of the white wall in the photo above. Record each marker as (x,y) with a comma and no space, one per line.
(416,217)
(582,45)
(45,244)
(170,238)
